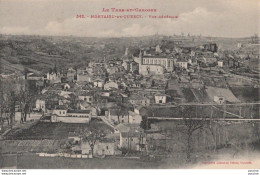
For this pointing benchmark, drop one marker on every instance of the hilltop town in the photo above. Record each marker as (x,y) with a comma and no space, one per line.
(155,101)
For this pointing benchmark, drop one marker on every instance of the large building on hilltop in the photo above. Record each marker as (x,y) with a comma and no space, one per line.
(167,63)
(154,64)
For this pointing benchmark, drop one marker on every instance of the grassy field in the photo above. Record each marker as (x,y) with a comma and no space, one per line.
(30,161)
(246,94)
(57,131)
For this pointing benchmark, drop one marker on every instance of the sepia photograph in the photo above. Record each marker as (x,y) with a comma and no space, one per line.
(119,84)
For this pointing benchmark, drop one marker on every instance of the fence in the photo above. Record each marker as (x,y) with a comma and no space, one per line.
(79,156)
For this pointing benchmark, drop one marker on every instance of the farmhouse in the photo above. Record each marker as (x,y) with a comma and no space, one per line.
(85,96)
(71,116)
(220,95)
(101,148)
(131,140)
(160,98)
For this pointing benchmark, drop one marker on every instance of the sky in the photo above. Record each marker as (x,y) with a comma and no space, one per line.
(217,18)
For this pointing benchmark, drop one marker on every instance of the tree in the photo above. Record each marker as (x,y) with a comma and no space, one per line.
(26,71)
(92,135)
(3,107)
(55,70)
(191,123)
(25,98)
(73,101)
(12,102)
(153,83)
(145,123)
(7,103)
(121,111)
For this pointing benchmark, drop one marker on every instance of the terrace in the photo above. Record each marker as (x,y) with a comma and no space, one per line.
(56,131)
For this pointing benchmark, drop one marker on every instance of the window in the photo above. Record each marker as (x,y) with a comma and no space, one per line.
(60,112)
(107,147)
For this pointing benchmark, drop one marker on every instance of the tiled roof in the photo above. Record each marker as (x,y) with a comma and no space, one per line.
(62,107)
(130,134)
(78,111)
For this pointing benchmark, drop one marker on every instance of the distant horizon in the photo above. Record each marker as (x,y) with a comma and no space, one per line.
(174,35)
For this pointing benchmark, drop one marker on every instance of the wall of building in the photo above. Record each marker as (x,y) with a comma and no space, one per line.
(166,62)
(59,112)
(134,118)
(73,119)
(114,118)
(131,143)
(40,104)
(160,99)
(156,65)
(109,85)
(86,98)
(183,64)
(100,148)
(85,78)
(151,69)
(98,84)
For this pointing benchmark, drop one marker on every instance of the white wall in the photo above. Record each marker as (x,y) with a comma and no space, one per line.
(73,119)
(158,98)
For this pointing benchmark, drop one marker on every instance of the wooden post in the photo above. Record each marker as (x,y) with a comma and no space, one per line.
(211,115)
(219,136)
(225,109)
(251,116)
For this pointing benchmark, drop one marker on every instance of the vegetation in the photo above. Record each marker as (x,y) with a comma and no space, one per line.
(92,134)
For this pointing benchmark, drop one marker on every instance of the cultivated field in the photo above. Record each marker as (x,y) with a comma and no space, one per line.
(47,130)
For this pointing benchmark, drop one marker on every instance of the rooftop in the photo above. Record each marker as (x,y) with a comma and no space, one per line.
(78,111)
(130,134)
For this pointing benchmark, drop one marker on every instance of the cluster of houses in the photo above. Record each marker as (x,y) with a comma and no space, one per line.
(116,90)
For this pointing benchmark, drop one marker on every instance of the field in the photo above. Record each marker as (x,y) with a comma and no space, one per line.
(56,131)
(32,161)
(239,134)
(114,163)
(246,94)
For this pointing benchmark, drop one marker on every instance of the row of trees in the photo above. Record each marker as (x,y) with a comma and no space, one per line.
(194,132)
(14,95)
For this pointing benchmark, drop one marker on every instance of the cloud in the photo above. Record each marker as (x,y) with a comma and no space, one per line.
(71,26)
(222,18)
(138,30)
